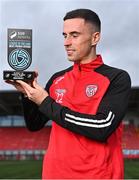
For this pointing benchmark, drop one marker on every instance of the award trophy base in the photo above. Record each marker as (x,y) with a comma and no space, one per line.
(19,75)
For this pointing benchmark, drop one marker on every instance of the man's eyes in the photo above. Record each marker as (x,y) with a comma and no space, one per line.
(65,36)
(74,35)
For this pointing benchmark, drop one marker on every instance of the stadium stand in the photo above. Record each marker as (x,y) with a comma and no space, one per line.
(131,141)
(16,142)
(20,142)
(19,138)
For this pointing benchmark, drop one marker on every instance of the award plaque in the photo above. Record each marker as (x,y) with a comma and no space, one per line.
(19,55)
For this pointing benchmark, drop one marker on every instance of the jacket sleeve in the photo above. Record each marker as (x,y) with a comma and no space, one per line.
(108,117)
(34,119)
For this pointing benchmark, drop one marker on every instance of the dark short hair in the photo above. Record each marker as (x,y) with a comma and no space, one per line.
(86,14)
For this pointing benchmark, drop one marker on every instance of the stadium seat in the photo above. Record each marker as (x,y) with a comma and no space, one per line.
(19,138)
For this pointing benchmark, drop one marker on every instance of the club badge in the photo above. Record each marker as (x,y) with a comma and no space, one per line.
(91,90)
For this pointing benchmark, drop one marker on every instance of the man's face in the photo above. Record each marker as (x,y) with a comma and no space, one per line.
(78,40)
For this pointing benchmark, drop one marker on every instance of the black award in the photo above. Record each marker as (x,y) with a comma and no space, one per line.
(19,55)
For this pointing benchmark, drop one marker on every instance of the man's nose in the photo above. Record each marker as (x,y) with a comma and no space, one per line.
(67,41)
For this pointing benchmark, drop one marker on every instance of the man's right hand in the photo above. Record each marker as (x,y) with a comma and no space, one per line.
(19,87)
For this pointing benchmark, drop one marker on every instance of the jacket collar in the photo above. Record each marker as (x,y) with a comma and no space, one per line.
(89,66)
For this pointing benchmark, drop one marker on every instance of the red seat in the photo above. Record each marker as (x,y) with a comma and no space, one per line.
(130,138)
(19,138)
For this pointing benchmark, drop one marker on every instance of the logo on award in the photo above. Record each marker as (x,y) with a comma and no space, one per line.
(19,59)
(19,55)
(13,34)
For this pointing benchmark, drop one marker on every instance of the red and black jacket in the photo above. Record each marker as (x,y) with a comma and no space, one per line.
(87,103)
(107,113)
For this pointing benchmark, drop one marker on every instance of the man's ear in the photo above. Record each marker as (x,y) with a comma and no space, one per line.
(95,38)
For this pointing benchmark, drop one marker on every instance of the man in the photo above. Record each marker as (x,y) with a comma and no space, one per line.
(86,102)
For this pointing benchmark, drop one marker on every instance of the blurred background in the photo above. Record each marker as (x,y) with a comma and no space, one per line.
(21,151)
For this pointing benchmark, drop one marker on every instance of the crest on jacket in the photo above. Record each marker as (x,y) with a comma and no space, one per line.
(91,90)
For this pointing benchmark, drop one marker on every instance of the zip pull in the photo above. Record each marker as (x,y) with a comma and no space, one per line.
(79,67)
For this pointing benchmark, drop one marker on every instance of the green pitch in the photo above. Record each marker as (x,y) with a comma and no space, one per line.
(32,169)
(132,169)
(20,169)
